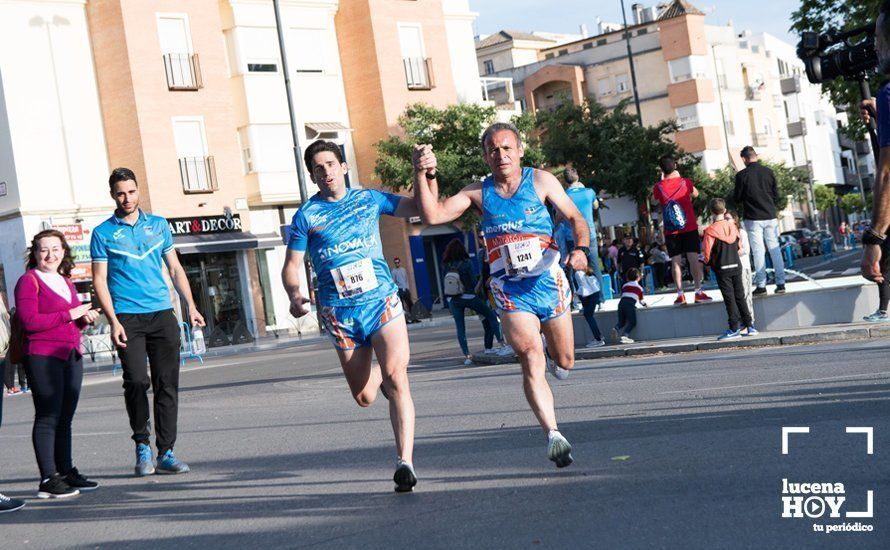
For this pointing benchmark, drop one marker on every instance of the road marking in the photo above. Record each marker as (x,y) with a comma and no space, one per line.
(783,383)
(820,274)
(851,271)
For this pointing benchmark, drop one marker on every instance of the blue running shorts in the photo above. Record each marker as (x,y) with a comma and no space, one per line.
(547,296)
(352,327)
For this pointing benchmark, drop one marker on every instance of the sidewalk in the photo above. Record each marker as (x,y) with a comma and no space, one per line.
(795,337)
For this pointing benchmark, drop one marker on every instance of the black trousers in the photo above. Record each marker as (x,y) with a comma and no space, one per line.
(9,377)
(733,291)
(627,316)
(2,374)
(152,340)
(55,388)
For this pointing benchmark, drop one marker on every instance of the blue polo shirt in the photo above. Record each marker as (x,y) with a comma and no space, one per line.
(135,258)
(883,104)
(583,197)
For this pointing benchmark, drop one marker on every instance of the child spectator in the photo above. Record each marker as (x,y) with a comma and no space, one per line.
(589,291)
(631,295)
(745,258)
(721,253)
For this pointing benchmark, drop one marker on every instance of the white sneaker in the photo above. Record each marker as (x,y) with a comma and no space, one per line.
(468,361)
(558,449)
(505,351)
(490,351)
(626,340)
(556,371)
(595,344)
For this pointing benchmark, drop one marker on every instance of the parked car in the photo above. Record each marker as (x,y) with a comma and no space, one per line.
(808,244)
(785,240)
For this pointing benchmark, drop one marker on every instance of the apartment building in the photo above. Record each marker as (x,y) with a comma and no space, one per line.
(724,88)
(53,161)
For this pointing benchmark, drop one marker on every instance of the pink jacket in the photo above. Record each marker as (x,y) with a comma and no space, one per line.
(45,318)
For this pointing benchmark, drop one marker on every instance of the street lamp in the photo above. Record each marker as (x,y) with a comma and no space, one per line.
(633,72)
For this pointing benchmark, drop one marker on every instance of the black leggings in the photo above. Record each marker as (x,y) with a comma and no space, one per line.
(55,387)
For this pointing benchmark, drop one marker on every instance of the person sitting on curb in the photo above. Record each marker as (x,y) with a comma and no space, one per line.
(631,295)
(721,252)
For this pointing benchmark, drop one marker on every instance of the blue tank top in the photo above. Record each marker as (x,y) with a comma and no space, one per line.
(518,231)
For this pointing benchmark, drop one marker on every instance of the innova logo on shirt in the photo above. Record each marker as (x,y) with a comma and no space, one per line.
(348,246)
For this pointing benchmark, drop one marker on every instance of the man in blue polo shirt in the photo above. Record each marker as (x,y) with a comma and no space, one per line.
(129,251)
(586,200)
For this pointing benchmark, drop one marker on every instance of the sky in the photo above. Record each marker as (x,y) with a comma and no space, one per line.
(772,16)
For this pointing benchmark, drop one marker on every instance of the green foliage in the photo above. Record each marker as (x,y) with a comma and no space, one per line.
(825,198)
(790,181)
(819,16)
(852,203)
(608,147)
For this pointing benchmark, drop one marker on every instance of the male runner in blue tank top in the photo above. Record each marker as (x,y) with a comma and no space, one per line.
(530,289)
(357,298)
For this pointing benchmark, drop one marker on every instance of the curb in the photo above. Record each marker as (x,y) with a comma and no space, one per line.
(837,335)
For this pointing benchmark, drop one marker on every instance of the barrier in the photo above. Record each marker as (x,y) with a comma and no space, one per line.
(607,287)
(788,254)
(827,248)
(649,280)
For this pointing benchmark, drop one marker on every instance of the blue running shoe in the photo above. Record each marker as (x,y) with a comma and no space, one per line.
(730,335)
(751,331)
(144,465)
(169,464)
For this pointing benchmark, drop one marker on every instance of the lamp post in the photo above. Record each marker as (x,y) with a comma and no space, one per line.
(633,72)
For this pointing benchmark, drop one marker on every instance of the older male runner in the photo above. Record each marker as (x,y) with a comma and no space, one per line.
(530,289)
(359,302)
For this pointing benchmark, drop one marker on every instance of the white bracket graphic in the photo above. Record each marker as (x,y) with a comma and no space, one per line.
(868,513)
(869,441)
(791,430)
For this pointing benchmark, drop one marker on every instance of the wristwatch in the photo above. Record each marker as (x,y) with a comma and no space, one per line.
(430,176)
(870,236)
(583,249)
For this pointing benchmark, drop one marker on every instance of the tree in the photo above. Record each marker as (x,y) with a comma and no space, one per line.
(852,203)
(819,16)
(825,198)
(454,132)
(608,147)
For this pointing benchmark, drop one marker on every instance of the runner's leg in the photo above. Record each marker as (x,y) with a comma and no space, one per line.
(363,379)
(523,332)
(391,347)
(560,334)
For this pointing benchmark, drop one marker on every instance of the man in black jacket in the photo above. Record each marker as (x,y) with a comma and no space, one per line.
(756,192)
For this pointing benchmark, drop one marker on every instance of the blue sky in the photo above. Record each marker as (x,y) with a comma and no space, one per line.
(772,16)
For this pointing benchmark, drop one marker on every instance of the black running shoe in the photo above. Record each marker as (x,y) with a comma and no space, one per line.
(759,291)
(78,481)
(10,504)
(404,477)
(780,289)
(55,487)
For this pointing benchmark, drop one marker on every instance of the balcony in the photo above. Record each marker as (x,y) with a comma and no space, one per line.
(844,141)
(863,147)
(419,73)
(797,129)
(759,140)
(498,93)
(198,174)
(851,179)
(754,93)
(183,71)
(790,85)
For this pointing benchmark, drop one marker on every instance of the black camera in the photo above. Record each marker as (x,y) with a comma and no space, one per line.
(849,54)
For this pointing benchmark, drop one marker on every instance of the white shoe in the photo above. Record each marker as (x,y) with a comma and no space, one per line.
(505,351)
(468,361)
(558,449)
(595,344)
(558,372)
(490,351)
(626,340)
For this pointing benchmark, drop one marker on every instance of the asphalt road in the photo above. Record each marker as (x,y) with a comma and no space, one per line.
(676,451)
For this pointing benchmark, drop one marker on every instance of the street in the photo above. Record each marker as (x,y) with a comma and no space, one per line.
(676,451)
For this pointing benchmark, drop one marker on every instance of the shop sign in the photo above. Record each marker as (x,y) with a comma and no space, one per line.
(72,232)
(82,272)
(81,252)
(203,225)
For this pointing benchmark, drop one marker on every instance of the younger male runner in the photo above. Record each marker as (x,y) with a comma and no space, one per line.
(357,298)
(530,289)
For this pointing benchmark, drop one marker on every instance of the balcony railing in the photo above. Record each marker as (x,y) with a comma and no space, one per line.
(198,174)
(863,148)
(498,91)
(759,140)
(790,85)
(797,129)
(753,93)
(183,71)
(688,122)
(419,73)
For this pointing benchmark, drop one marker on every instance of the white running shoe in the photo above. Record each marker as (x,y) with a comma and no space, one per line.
(468,361)
(490,351)
(627,340)
(558,449)
(506,351)
(595,344)
(558,372)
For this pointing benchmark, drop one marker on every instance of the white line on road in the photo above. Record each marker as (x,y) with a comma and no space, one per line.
(785,382)
(851,271)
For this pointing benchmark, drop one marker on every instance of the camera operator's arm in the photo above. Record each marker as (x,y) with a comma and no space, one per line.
(879,110)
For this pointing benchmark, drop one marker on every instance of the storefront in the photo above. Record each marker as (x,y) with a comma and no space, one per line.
(220,261)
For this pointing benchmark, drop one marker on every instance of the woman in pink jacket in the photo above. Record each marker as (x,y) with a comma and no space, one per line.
(51,317)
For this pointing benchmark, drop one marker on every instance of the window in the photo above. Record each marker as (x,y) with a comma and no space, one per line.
(262,67)
(563,52)
(308,48)
(196,167)
(642,32)
(687,117)
(621,83)
(258,47)
(688,68)
(605,86)
(180,63)
(246,160)
(588,45)
(548,56)
(418,69)
(601,42)
(489,67)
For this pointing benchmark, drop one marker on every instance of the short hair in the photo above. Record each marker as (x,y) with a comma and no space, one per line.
(321,146)
(748,152)
(632,274)
(121,174)
(570,174)
(667,164)
(499,127)
(717,206)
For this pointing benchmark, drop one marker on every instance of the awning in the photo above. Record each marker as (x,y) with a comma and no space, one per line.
(320,127)
(224,242)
